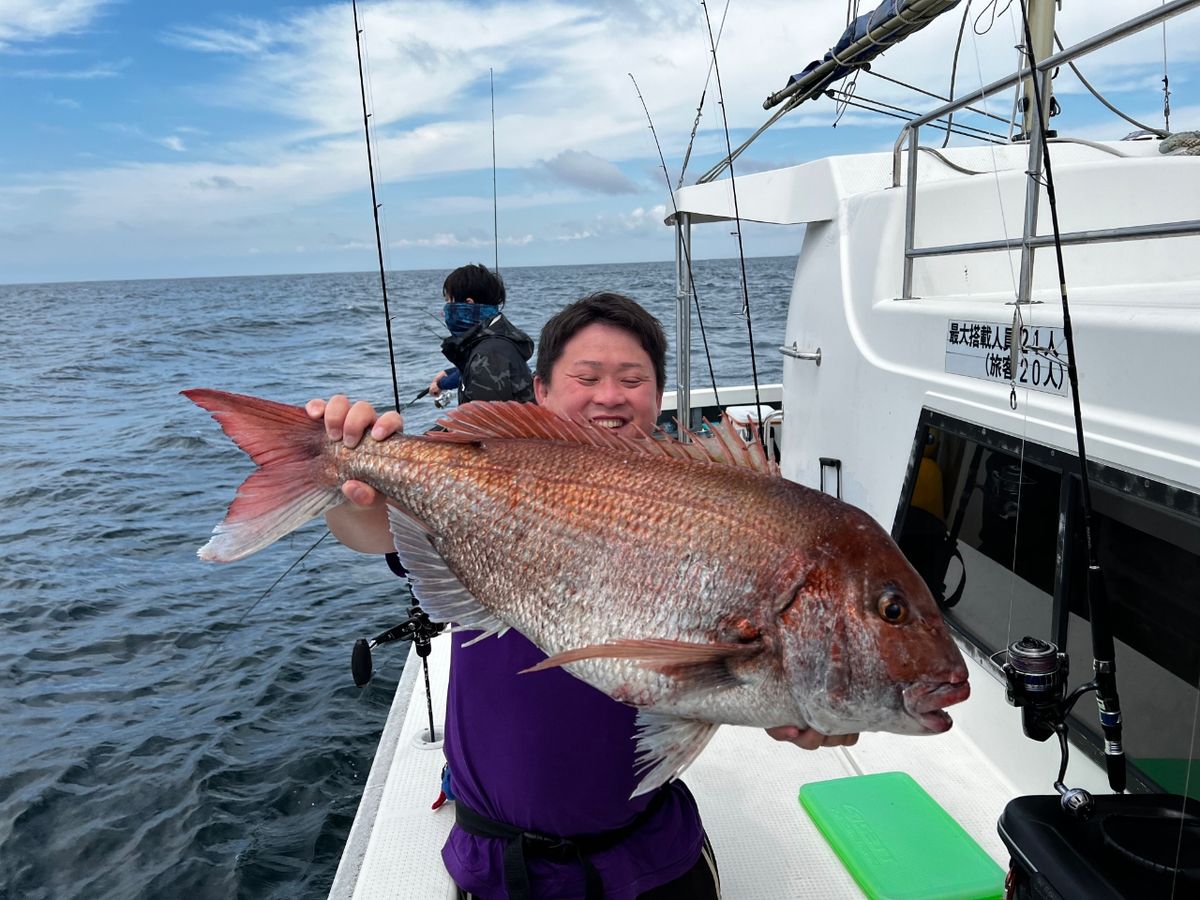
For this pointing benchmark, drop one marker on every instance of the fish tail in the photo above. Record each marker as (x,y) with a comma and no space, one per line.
(295,481)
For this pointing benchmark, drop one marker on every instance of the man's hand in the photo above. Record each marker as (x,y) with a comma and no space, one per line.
(434,388)
(363,524)
(809,738)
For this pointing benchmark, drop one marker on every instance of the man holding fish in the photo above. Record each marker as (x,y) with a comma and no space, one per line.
(783,606)
(609,356)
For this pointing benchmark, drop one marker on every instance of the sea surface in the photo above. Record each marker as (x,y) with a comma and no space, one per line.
(174,728)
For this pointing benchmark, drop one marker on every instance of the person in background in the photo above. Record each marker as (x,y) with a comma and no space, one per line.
(489,355)
(544,766)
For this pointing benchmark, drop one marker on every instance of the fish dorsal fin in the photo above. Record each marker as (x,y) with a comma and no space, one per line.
(481,420)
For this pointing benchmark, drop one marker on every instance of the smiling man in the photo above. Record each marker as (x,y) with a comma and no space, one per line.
(542,765)
(602,360)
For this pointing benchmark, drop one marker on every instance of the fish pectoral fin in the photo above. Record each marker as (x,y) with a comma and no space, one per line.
(435,587)
(690,665)
(666,745)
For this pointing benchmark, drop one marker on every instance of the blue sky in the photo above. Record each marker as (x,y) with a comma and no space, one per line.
(149,139)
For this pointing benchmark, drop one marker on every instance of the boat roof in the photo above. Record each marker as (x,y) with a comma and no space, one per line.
(812,191)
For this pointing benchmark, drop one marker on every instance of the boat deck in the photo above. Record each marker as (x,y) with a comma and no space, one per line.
(745,783)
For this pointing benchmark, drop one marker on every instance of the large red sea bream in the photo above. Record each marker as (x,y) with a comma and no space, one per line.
(688,580)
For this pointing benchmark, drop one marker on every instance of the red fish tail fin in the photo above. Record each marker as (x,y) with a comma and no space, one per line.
(295,481)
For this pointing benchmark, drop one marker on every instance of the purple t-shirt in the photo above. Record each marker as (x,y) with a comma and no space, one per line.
(547,752)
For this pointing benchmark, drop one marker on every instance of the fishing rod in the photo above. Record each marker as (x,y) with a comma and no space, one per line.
(687,256)
(737,218)
(700,106)
(362,85)
(1036,671)
(495,204)
(417,627)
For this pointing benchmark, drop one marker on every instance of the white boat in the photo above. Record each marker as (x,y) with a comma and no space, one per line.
(901,395)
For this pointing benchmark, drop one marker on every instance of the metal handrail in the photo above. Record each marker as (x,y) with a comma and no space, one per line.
(1096,42)
(910,135)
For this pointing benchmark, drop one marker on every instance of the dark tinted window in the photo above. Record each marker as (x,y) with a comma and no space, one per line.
(994,526)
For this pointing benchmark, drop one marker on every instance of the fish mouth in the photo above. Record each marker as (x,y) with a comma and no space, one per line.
(926,702)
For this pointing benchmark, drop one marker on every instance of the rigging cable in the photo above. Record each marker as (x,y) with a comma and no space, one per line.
(934,95)
(1166,82)
(687,256)
(362,84)
(897,112)
(738,227)
(996,13)
(1103,653)
(1095,93)
(962,26)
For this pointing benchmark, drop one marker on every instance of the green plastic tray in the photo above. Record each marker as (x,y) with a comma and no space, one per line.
(898,842)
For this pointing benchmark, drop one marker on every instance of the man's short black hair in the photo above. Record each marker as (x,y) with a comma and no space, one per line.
(607,308)
(477,282)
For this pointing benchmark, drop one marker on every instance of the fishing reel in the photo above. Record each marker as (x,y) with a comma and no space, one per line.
(418,628)
(1035,677)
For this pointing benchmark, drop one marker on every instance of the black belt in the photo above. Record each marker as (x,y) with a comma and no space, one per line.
(519,842)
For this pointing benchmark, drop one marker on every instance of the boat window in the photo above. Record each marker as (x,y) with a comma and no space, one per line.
(994,526)
(1151,563)
(982,529)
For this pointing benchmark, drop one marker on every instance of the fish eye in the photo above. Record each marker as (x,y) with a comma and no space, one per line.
(893,608)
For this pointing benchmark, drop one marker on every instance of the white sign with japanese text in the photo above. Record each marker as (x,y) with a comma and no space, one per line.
(982,350)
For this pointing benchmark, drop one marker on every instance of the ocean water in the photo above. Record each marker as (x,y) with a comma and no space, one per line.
(170,727)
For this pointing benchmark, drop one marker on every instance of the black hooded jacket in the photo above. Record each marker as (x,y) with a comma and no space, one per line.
(492,359)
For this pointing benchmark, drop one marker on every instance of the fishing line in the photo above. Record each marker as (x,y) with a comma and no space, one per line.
(1015,336)
(737,223)
(262,597)
(687,256)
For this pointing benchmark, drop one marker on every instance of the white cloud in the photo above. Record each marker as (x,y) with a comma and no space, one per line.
(457,240)
(23,20)
(91,73)
(589,172)
(564,107)
(245,37)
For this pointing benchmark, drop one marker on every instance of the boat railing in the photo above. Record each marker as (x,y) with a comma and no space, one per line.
(909,138)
